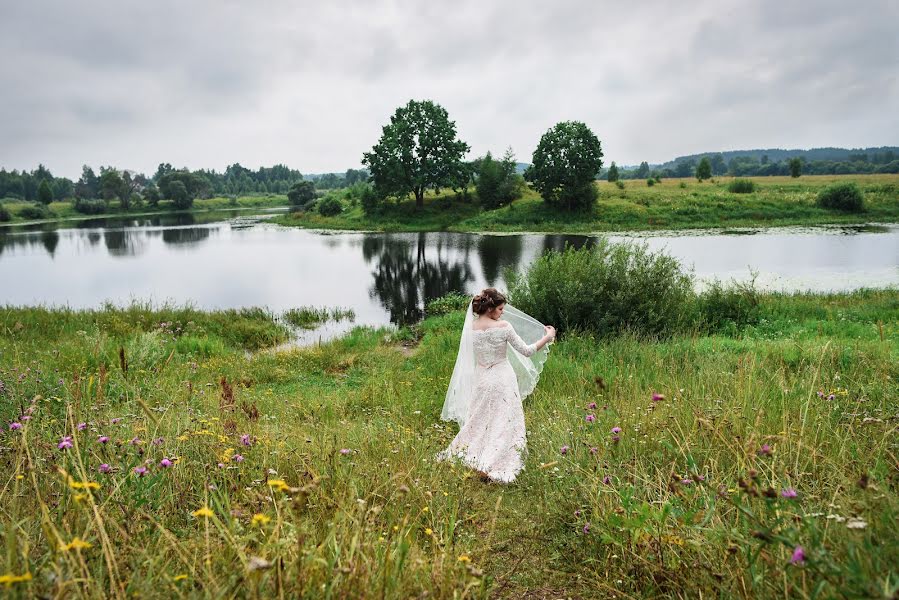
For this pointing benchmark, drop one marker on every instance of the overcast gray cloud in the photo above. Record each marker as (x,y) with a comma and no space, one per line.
(208,83)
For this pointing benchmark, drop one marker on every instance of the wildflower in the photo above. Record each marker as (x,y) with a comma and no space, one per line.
(116,420)
(237,458)
(257,563)
(83,485)
(577,514)
(592,406)
(246,440)
(135,441)
(564,450)
(765,450)
(686,481)
(203,512)
(279,484)
(594,450)
(81,426)
(429,531)
(831,397)
(158,441)
(75,544)
(260,519)
(345,451)
(700,478)
(140,471)
(788,493)
(464,558)
(656,397)
(616,439)
(590,418)
(856,523)
(616,430)
(104,468)
(798,557)
(586,528)
(179,577)
(15,426)
(10,579)
(165,463)
(820,394)
(26,417)
(103,439)
(607,480)
(65,443)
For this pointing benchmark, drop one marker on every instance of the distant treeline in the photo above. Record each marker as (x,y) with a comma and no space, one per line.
(774,161)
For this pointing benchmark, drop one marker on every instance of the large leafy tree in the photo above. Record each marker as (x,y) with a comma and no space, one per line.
(301,193)
(418,150)
(795,167)
(704,169)
(565,165)
(613,173)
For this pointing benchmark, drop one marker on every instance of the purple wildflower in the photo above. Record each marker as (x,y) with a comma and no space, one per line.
(140,471)
(788,493)
(158,441)
(586,528)
(616,439)
(116,420)
(103,439)
(594,450)
(345,451)
(820,394)
(616,430)
(26,417)
(246,440)
(798,556)
(564,450)
(65,443)
(104,468)
(700,478)
(135,441)
(165,463)
(765,450)
(577,514)
(591,418)
(656,397)
(607,480)
(686,481)
(831,397)
(221,465)
(81,426)
(237,458)
(592,406)
(15,426)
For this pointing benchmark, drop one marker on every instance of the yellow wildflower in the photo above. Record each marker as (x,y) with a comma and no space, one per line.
(203,512)
(465,558)
(260,519)
(83,485)
(75,544)
(425,509)
(179,577)
(10,579)
(182,438)
(80,497)
(279,484)
(226,455)
(429,531)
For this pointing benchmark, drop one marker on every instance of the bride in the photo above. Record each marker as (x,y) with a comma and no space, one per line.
(501,355)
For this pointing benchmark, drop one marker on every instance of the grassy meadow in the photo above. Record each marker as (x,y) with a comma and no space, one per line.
(671,204)
(156,452)
(64,211)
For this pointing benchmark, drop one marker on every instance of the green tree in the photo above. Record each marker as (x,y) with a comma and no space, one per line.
(497,182)
(613,173)
(111,183)
(151,193)
(704,169)
(44,193)
(301,193)
(642,170)
(418,150)
(179,195)
(565,165)
(88,186)
(795,167)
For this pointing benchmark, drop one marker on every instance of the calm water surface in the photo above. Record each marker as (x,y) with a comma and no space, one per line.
(383,277)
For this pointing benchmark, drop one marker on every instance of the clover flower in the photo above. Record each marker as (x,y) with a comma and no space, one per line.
(345,451)
(81,426)
(140,471)
(564,450)
(237,458)
(103,439)
(765,450)
(607,480)
(592,406)
(165,463)
(798,556)
(590,418)
(15,426)
(246,440)
(586,528)
(115,420)
(616,430)
(104,468)
(656,397)
(788,493)
(65,443)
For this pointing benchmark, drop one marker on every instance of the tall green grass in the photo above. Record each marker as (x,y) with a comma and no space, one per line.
(334,492)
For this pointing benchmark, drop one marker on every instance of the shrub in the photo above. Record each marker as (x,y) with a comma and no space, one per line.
(5,215)
(650,182)
(682,185)
(35,211)
(728,307)
(446,304)
(90,207)
(329,206)
(301,194)
(607,289)
(842,196)
(619,184)
(371,200)
(497,183)
(741,186)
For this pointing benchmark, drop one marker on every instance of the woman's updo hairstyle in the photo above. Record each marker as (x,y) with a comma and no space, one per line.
(486,301)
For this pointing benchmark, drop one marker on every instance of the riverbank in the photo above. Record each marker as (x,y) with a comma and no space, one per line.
(310,472)
(672,204)
(64,212)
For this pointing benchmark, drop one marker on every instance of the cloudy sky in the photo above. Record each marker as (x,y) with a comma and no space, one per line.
(207,83)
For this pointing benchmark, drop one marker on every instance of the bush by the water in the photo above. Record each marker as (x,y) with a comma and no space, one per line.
(842,196)
(729,308)
(90,207)
(5,215)
(35,211)
(446,304)
(329,206)
(607,289)
(741,186)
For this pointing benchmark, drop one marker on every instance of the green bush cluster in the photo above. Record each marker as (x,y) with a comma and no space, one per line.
(35,211)
(842,196)
(729,307)
(329,206)
(741,186)
(5,215)
(446,304)
(90,207)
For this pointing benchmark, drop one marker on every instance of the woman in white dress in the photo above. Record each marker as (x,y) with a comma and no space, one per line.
(494,371)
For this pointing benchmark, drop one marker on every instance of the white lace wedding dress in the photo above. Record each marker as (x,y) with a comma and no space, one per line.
(492,438)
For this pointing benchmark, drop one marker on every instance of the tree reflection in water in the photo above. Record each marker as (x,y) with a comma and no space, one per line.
(408,273)
(498,253)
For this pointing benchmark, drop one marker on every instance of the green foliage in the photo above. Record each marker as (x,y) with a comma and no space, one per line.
(795,167)
(730,307)
(682,185)
(5,215)
(650,182)
(619,184)
(152,195)
(704,169)
(181,198)
(613,175)
(642,171)
(171,183)
(371,201)
(301,194)
(741,186)
(451,302)
(35,211)
(497,182)
(44,193)
(608,289)
(418,150)
(846,197)
(565,165)
(90,207)
(310,317)
(329,206)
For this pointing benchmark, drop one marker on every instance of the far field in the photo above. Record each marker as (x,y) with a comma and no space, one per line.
(671,204)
